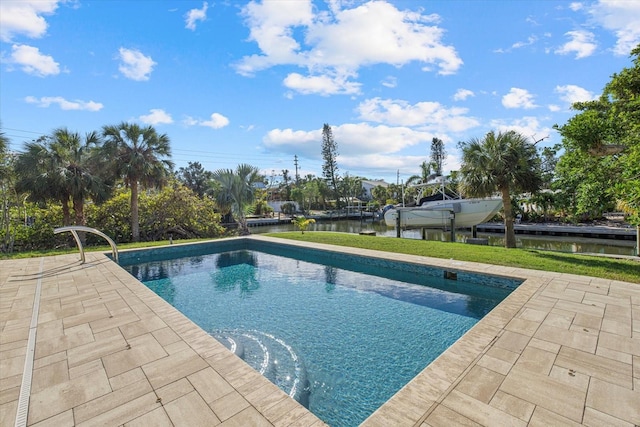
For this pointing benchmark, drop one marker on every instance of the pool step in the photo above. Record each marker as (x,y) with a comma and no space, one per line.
(270,356)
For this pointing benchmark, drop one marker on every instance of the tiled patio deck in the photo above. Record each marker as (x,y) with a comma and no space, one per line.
(560,350)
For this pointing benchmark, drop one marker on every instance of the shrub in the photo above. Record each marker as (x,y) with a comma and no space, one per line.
(175,211)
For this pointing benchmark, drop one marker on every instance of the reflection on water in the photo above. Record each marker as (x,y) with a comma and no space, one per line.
(243,263)
(549,243)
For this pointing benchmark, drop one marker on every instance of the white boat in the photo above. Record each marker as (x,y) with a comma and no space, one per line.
(437,214)
(438,211)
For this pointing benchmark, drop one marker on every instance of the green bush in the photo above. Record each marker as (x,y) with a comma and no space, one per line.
(175,211)
(178,212)
(113,218)
(262,208)
(39,233)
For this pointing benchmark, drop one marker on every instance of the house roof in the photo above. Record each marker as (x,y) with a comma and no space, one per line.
(375,183)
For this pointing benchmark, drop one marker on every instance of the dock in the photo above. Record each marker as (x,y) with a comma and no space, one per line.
(596,232)
(280,218)
(257,222)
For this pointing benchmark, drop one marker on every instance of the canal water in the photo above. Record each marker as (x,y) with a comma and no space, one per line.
(549,243)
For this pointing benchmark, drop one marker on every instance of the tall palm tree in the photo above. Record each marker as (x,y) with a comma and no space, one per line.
(83,173)
(424,177)
(236,191)
(505,163)
(414,181)
(425,172)
(139,156)
(38,174)
(63,167)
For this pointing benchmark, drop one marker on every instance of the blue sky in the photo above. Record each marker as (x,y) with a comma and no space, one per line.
(253,82)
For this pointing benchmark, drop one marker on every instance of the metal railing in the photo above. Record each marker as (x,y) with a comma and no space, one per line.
(74,230)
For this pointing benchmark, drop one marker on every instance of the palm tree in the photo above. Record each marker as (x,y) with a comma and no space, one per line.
(38,174)
(302,223)
(236,191)
(83,171)
(424,177)
(505,163)
(351,188)
(63,167)
(139,156)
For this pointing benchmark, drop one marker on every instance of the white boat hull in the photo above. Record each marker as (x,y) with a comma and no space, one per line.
(437,214)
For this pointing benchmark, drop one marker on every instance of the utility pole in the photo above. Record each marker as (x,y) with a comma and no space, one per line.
(295,162)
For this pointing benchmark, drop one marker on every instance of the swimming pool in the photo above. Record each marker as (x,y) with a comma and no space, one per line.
(340,333)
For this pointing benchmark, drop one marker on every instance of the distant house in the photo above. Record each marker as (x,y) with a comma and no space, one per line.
(368,185)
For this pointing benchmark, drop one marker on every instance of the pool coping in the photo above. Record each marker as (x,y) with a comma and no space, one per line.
(561,349)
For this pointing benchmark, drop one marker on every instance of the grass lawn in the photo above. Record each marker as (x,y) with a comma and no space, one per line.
(102,248)
(607,268)
(587,265)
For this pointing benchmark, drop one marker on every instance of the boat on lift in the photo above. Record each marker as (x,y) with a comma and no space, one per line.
(442,209)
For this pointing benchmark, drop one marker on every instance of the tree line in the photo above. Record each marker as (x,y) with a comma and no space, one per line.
(122,181)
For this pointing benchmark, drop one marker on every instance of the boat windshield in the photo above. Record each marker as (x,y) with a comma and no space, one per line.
(436,189)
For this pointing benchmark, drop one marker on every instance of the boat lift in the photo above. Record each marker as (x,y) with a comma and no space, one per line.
(452,208)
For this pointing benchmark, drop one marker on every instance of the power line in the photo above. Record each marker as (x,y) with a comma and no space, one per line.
(180,155)
(176,151)
(24,131)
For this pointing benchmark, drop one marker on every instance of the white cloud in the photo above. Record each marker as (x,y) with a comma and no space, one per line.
(354,140)
(77,104)
(354,137)
(389,82)
(621,17)
(573,93)
(372,151)
(156,117)
(380,33)
(431,116)
(527,126)
(195,15)
(25,17)
(288,140)
(216,121)
(376,164)
(322,85)
(518,98)
(376,31)
(582,43)
(32,61)
(554,108)
(383,165)
(134,65)
(530,40)
(271,26)
(576,6)
(531,20)
(462,94)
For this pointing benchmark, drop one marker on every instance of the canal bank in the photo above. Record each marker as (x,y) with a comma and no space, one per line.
(574,239)
(585,230)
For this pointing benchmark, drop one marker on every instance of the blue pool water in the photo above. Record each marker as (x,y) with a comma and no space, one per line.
(340,341)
